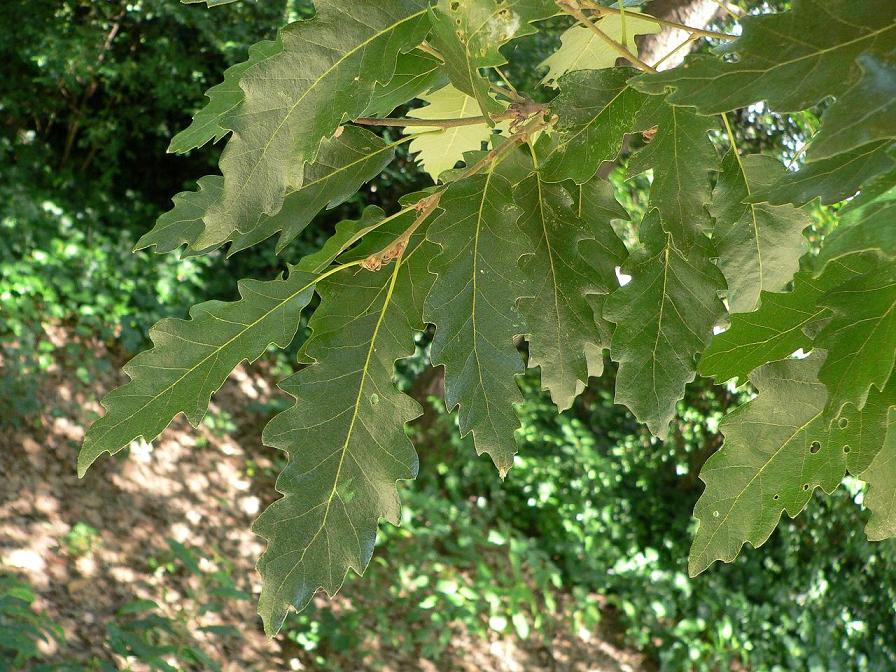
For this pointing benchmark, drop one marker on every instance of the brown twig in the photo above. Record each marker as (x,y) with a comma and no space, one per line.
(573,10)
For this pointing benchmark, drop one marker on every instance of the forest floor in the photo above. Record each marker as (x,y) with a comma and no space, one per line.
(192,486)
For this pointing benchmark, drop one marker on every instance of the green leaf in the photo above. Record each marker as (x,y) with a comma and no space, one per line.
(473,305)
(191,359)
(183,225)
(778,327)
(873,96)
(344,436)
(777,450)
(861,336)
(469,34)
(581,49)
(881,478)
(438,149)
(561,325)
(831,179)
(595,110)
(682,158)
(209,3)
(415,73)
(344,163)
(350,231)
(866,223)
(664,317)
(862,432)
(791,60)
(325,74)
(758,245)
(214,120)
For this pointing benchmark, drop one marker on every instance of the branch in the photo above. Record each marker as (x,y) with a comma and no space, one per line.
(440,123)
(574,11)
(427,204)
(601,10)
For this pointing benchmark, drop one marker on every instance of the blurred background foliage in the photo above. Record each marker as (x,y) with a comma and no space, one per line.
(592,524)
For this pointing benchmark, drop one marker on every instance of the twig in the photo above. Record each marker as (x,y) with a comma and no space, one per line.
(600,9)
(574,11)
(440,123)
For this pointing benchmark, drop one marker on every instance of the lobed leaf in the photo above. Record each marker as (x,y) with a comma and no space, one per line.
(595,110)
(781,324)
(861,336)
(581,49)
(664,317)
(777,450)
(344,436)
(792,60)
(682,158)
(469,34)
(758,245)
(326,73)
(473,306)
(191,359)
(561,326)
(344,163)
(830,180)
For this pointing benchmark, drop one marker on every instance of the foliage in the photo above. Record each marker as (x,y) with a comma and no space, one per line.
(468,256)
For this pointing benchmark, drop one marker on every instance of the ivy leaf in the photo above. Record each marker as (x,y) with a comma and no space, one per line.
(793,60)
(415,72)
(439,149)
(861,336)
(473,305)
(758,245)
(776,452)
(664,317)
(830,180)
(469,34)
(682,158)
(191,359)
(581,49)
(325,74)
(214,120)
(881,477)
(344,163)
(874,96)
(595,110)
(778,328)
(344,436)
(561,324)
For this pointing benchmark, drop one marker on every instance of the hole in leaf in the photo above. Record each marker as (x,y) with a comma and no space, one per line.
(805,486)
(843,423)
(846,449)
(814,447)
(776,497)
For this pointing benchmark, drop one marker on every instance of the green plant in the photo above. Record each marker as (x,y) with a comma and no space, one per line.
(21,628)
(520,244)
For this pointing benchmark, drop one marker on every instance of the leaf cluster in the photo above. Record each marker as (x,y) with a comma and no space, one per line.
(511,256)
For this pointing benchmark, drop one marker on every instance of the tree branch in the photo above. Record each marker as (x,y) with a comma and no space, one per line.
(601,10)
(571,9)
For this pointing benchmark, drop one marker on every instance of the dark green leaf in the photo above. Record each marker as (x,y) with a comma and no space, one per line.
(664,317)
(473,305)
